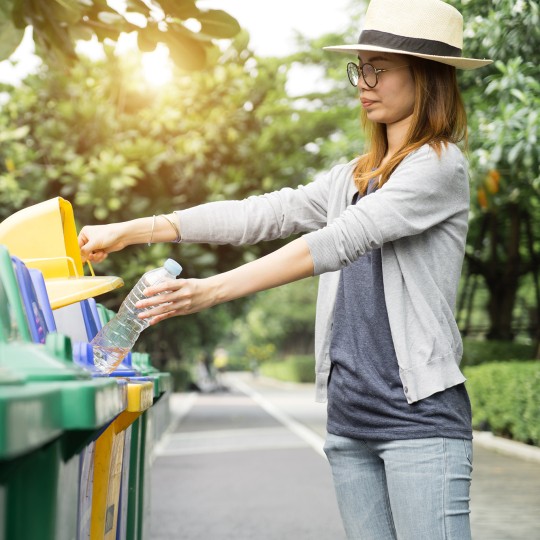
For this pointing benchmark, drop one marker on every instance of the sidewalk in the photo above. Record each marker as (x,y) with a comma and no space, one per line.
(230,470)
(247,464)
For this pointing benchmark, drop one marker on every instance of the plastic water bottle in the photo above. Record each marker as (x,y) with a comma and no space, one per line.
(114,341)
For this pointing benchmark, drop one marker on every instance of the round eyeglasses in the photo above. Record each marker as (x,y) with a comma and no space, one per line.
(369,73)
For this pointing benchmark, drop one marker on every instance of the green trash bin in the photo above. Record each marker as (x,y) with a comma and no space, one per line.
(77,408)
(45,474)
(30,427)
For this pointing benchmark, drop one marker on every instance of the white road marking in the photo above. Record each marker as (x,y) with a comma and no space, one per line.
(310,437)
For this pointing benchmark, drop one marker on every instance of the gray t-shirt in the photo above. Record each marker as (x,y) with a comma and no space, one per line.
(365,392)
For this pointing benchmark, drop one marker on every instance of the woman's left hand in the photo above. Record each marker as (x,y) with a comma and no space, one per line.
(176,297)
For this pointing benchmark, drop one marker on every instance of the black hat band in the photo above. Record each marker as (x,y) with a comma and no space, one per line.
(407,44)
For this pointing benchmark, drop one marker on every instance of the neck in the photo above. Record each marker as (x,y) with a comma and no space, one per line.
(396,135)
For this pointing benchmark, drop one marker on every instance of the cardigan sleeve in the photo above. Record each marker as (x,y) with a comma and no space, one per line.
(264,217)
(424,190)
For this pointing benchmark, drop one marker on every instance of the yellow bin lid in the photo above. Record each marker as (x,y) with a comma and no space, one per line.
(44,236)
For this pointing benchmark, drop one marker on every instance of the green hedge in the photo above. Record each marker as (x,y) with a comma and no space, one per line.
(505,399)
(182,378)
(238,363)
(477,351)
(293,368)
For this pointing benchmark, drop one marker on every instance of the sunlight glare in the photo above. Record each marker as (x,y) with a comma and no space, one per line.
(156,66)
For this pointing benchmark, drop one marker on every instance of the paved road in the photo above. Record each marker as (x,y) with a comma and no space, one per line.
(247,464)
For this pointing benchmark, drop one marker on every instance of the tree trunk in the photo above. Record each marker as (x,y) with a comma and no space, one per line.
(502,277)
(466,299)
(500,307)
(536,278)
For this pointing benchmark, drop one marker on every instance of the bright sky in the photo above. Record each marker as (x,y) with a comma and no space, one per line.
(271,25)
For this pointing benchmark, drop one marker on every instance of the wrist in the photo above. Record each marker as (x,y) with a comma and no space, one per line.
(218,289)
(136,231)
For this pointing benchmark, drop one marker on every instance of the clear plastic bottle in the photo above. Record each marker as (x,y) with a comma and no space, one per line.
(114,341)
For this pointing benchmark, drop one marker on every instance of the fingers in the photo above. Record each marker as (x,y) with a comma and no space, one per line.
(97,241)
(94,256)
(88,248)
(169,314)
(171,285)
(83,245)
(173,295)
(166,311)
(173,298)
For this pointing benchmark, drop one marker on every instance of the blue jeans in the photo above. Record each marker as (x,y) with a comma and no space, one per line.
(416,489)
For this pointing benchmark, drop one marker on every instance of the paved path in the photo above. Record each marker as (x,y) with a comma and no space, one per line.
(246,464)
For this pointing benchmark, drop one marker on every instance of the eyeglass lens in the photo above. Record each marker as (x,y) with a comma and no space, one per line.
(352,73)
(368,74)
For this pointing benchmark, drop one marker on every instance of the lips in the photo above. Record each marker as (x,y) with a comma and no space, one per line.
(366,103)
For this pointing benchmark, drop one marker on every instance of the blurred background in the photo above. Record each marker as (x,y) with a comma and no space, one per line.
(130,108)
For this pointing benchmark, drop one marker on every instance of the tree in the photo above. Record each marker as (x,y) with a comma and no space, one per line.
(58,24)
(99,136)
(283,318)
(503,102)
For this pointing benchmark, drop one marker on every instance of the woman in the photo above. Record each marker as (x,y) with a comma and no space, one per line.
(386,233)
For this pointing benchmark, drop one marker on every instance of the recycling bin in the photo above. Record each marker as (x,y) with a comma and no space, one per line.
(108,462)
(95,445)
(45,478)
(30,426)
(58,395)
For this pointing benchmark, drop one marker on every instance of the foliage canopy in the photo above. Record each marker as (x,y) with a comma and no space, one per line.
(117,148)
(58,24)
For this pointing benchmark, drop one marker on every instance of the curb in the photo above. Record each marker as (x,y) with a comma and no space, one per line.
(181,403)
(507,447)
(486,439)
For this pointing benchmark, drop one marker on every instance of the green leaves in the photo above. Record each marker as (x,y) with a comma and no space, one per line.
(503,106)
(181,10)
(14,134)
(508,125)
(57,25)
(504,399)
(187,53)
(503,101)
(217,23)
(10,34)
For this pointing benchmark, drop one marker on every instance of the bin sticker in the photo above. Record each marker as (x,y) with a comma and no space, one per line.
(109,518)
(113,488)
(66,499)
(86,486)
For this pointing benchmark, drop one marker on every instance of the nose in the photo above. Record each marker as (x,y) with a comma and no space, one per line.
(361,84)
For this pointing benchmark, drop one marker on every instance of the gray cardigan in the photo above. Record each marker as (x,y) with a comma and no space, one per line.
(419,218)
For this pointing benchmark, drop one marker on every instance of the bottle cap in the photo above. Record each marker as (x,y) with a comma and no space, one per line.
(172,267)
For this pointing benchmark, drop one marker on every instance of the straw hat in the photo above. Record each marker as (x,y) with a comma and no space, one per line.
(429,29)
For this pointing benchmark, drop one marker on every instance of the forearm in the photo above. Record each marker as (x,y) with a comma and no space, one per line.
(185,296)
(289,263)
(151,229)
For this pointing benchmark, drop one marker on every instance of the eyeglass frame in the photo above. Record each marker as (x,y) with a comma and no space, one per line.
(360,71)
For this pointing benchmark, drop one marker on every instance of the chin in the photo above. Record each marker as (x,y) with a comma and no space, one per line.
(378,118)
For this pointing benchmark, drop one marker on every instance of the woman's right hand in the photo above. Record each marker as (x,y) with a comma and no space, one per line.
(97,241)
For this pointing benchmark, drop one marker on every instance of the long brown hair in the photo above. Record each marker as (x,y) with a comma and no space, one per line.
(438,118)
